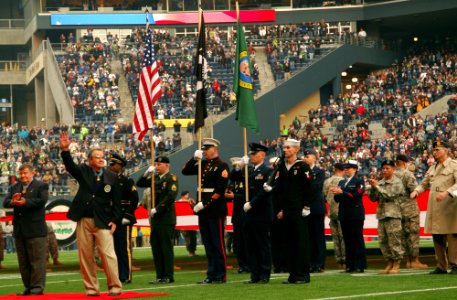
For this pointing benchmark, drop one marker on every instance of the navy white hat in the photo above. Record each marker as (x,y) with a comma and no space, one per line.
(351,164)
(292,143)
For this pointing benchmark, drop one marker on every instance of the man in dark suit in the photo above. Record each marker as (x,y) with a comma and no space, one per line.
(162,217)
(97,209)
(123,234)
(212,209)
(351,213)
(259,214)
(317,216)
(28,198)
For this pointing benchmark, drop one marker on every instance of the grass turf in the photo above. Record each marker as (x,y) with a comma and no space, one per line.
(409,284)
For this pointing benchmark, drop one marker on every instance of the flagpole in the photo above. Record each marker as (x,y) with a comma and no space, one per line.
(199,175)
(245,139)
(153,154)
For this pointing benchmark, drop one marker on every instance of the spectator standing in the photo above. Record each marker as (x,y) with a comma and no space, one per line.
(28,198)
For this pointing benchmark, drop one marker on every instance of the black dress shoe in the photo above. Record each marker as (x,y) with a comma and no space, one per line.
(250,281)
(114,294)
(155,281)
(438,271)
(358,271)
(301,282)
(24,293)
(92,295)
(126,281)
(37,293)
(243,271)
(166,280)
(218,281)
(263,281)
(453,271)
(205,281)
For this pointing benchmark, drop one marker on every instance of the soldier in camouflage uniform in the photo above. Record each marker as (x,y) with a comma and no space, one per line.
(410,214)
(389,192)
(335,226)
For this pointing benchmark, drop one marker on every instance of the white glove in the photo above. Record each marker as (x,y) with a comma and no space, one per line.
(267,188)
(199,206)
(198,154)
(125,221)
(244,161)
(153,212)
(247,206)
(150,170)
(305,211)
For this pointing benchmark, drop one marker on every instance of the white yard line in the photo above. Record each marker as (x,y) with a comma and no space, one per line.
(387,293)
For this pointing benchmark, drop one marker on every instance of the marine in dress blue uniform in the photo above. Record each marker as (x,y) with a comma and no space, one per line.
(212,209)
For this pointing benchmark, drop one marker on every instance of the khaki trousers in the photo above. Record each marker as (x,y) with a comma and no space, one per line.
(439,242)
(88,236)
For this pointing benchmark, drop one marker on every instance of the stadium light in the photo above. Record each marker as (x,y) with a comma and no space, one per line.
(354,79)
(344,74)
(415,39)
(348,87)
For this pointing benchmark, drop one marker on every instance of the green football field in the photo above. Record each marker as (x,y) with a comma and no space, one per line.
(409,284)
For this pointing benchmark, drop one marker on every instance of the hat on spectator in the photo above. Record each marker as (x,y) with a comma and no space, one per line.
(309,151)
(388,162)
(235,160)
(292,143)
(210,142)
(351,164)
(162,159)
(117,159)
(339,166)
(440,144)
(256,147)
(402,157)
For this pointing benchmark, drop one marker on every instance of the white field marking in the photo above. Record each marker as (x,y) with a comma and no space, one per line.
(387,293)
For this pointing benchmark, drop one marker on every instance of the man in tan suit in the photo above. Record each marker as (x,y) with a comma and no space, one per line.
(441,220)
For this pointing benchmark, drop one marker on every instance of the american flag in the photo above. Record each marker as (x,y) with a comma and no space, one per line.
(149,90)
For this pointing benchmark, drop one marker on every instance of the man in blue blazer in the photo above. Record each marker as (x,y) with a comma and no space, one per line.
(97,210)
(28,198)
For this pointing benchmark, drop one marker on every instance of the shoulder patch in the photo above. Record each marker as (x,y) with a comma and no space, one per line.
(133,188)
(224,174)
(173,188)
(173,178)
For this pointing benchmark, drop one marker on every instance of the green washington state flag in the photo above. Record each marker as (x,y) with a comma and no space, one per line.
(243,85)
